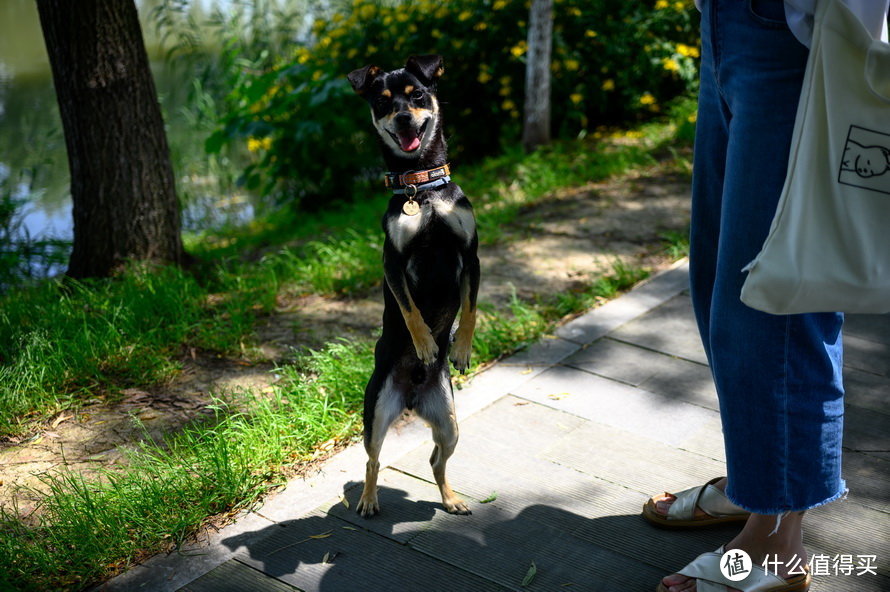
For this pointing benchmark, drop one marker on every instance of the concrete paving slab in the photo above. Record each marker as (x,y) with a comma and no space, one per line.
(666,329)
(614,404)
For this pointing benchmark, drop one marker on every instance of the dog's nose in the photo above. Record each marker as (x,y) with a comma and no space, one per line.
(403,119)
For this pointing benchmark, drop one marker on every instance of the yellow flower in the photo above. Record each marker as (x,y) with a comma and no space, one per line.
(692,118)
(465,15)
(508,105)
(575,11)
(483,77)
(519,49)
(480,26)
(572,64)
(576,97)
(608,84)
(647,99)
(402,16)
(257,144)
(687,50)
(679,6)
(499,5)
(590,34)
(662,4)
(670,64)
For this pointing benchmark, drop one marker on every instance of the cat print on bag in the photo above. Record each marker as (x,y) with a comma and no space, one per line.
(866,160)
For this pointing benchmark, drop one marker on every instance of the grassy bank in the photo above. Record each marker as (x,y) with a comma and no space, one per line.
(87,341)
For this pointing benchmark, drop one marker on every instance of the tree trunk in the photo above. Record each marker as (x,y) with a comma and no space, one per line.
(536,127)
(122,189)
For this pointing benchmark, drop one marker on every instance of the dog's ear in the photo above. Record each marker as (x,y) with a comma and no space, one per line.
(362,78)
(427,68)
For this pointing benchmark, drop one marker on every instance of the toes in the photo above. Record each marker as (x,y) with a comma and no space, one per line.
(664,503)
(461,362)
(367,508)
(457,506)
(427,353)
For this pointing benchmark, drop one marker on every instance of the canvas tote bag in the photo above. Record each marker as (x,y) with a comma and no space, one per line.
(828,249)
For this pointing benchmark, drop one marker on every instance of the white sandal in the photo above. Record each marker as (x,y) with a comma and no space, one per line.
(681,513)
(708,578)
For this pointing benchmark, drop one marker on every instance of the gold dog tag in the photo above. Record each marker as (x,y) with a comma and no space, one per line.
(411,208)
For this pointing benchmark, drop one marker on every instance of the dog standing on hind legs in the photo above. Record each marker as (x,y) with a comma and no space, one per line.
(431,270)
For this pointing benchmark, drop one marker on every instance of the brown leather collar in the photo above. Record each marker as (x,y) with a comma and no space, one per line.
(401,180)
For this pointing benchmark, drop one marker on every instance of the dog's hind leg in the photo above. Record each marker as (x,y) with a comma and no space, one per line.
(388,404)
(437,409)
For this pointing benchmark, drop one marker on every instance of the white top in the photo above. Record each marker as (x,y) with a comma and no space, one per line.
(799,14)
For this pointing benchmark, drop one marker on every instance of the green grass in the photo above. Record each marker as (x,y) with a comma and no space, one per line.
(169,488)
(66,343)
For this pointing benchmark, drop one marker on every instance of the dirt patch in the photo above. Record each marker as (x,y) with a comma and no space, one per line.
(555,244)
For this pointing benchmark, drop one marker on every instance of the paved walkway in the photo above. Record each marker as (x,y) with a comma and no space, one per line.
(560,447)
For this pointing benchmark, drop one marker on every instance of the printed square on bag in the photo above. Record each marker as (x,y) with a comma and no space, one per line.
(866,160)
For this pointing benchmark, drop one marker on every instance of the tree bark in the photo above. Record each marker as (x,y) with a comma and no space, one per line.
(122,189)
(536,126)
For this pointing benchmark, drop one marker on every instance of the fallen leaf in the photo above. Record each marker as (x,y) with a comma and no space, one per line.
(527,371)
(490,498)
(323,535)
(344,501)
(558,396)
(59,420)
(530,575)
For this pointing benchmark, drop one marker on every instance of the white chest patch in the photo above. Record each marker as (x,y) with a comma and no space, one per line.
(460,220)
(402,229)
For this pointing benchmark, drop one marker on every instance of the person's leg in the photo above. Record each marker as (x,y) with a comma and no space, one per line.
(777,377)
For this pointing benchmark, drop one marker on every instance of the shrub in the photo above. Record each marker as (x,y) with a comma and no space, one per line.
(613,62)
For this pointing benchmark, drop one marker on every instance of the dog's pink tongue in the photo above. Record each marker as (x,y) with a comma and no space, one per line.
(409,144)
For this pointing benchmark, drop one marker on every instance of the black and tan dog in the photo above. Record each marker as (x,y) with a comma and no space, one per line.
(430,266)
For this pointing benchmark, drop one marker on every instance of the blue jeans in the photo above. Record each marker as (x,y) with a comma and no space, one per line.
(778,378)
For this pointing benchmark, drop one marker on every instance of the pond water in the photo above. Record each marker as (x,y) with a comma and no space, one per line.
(33,161)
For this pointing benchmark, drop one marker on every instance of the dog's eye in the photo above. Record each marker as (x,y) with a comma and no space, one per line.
(417,95)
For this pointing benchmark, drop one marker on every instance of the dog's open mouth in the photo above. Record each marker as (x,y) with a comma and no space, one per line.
(409,139)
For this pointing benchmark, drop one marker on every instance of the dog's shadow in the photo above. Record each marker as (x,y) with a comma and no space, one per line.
(318,545)
(415,545)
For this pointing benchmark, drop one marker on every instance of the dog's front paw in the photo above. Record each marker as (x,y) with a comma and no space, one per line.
(426,348)
(460,357)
